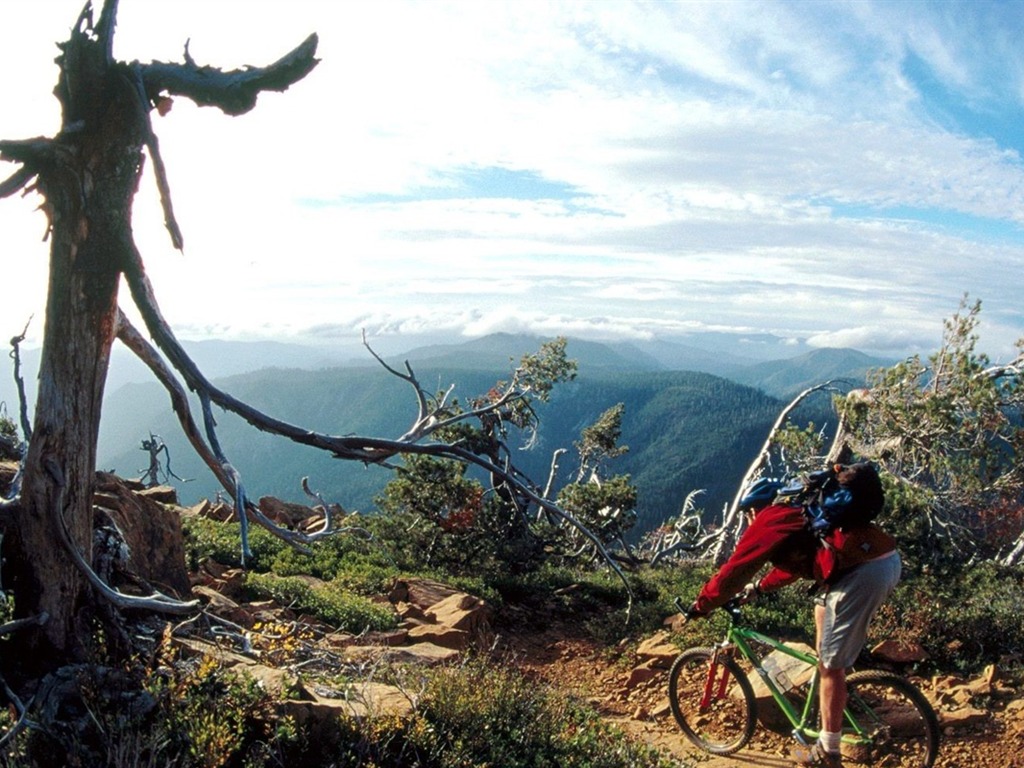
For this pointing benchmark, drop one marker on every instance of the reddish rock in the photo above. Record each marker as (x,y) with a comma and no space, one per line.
(461,611)
(420,592)
(899,651)
(224,606)
(643,674)
(441,635)
(152,532)
(658,648)
(163,494)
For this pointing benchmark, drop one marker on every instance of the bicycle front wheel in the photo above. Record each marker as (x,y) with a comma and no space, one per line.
(894,726)
(712,700)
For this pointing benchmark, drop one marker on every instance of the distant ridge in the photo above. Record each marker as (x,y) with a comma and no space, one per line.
(686,428)
(496,350)
(787,378)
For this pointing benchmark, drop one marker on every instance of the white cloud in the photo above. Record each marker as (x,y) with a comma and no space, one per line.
(736,164)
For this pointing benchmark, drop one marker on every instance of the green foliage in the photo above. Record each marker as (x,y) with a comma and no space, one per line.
(8,435)
(964,617)
(206,538)
(440,519)
(484,714)
(191,714)
(216,716)
(435,489)
(328,601)
(607,509)
(803,447)
(953,429)
(599,442)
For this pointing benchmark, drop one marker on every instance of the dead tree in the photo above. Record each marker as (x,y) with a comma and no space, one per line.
(87,176)
(732,523)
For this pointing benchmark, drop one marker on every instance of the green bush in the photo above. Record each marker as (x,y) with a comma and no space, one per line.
(190,714)
(484,714)
(205,538)
(329,602)
(963,618)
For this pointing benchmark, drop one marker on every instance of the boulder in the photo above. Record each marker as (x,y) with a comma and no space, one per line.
(285,513)
(441,635)
(963,717)
(151,531)
(643,674)
(899,651)
(424,653)
(797,672)
(461,611)
(211,511)
(163,494)
(422,593)
(223,606)
(659,649)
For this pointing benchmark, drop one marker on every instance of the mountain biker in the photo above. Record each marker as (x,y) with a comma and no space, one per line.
(857,567)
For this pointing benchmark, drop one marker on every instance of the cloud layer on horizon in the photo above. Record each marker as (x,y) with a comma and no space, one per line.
(840,173)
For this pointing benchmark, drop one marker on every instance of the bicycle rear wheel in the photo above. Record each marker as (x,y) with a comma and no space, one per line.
(713,703)
(900,727)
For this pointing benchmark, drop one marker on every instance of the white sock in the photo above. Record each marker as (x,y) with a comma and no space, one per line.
(830,741)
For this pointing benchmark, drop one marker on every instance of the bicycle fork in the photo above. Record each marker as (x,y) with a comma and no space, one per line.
(714,689)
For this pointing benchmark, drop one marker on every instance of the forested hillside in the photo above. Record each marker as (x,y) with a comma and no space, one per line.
(685,431)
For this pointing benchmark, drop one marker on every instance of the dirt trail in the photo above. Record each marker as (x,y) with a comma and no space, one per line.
(633,696)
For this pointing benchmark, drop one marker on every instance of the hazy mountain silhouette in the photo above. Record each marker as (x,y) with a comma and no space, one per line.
(685,429)
(787,378)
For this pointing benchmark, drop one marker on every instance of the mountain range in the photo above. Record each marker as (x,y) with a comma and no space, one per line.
(694,419)
(685,429)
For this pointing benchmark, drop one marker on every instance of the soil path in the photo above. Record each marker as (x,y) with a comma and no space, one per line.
(611,679)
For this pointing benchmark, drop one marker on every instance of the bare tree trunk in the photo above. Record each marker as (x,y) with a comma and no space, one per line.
(87,175)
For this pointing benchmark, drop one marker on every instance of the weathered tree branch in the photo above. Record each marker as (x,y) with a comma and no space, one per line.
(157,602)
(17,181)
(234,92)
(360,448)
(159,170)
(19,382)
(731,521)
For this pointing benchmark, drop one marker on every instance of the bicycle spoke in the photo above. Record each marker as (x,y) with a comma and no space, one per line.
(711,701)
(897,728)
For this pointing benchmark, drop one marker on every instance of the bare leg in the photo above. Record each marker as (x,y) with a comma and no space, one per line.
(832,691)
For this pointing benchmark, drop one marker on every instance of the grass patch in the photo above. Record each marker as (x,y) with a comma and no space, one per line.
(483,714)
(327,601)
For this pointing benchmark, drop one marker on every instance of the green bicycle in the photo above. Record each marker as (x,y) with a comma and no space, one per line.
(888,722)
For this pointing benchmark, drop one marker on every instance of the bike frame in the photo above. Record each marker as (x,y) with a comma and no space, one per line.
(804,730)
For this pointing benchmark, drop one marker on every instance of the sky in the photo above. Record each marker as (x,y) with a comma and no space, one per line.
(834,173)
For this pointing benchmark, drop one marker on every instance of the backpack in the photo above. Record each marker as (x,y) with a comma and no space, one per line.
(843,496)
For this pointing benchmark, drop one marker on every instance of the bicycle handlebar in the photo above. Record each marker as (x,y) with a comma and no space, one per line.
(733,607)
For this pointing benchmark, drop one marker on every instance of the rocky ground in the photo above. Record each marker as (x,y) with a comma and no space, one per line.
(982,718)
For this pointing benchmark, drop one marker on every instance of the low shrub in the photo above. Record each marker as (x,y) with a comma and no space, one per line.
(188,714)
(210,539)
(484,714)
(963,618)
(328,601)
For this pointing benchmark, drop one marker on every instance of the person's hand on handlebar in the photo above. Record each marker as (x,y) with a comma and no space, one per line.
(750,592)
(686,613)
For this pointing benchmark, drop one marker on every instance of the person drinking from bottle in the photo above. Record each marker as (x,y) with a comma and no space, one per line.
(856,565)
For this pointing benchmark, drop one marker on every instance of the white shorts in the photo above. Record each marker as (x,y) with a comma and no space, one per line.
(850,604)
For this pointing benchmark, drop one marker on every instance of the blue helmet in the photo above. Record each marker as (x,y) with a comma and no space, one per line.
(760,493)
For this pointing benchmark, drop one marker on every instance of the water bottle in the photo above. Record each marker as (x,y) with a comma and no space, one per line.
(777,674)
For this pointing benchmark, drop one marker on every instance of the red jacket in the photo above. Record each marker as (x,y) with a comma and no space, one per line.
(779,535)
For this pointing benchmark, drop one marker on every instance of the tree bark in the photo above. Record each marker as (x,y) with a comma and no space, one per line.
(87,176)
